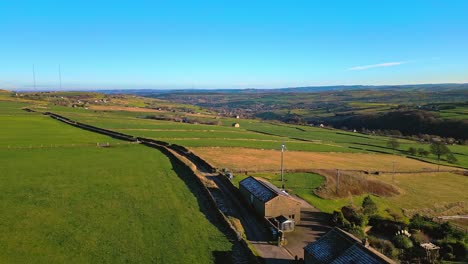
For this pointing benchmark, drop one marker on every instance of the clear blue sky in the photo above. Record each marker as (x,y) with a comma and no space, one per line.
(231,44)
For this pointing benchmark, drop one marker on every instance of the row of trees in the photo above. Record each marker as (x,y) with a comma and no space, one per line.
(437,148)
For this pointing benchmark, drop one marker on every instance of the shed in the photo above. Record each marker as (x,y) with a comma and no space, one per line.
(268,201)
(236,125)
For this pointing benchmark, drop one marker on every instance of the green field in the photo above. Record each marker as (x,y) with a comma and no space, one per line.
(73,202)
(270,135)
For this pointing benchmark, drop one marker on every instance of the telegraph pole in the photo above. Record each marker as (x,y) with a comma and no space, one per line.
(337,180)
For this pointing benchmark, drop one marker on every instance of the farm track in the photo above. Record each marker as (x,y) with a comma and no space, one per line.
(254,229)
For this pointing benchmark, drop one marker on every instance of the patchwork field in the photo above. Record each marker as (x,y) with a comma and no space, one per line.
(65,200)
(254,147)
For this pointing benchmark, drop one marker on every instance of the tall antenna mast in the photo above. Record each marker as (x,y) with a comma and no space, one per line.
(60,77)
(34,77)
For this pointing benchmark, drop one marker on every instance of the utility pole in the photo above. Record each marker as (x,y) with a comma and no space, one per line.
(337,180)
(283,147)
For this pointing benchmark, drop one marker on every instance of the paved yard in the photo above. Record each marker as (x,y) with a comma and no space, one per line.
(313,224)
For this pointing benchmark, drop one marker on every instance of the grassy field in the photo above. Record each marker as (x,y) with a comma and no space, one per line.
(307,147)
(251,134)
(85,204)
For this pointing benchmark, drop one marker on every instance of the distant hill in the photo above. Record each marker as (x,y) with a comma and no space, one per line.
(306,89)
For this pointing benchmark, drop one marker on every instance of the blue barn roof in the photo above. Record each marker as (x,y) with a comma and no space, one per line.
(258,189)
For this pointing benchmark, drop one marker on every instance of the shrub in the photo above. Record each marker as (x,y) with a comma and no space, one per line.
(339,220)
(357,232)
(369,206)
(402,241)
(354,216)
(385,226)
(422,152)
(412,151)
(384,246)
(451,158)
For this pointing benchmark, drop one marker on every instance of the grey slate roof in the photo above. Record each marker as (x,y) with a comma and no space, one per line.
(340,247)
(258,189)
(355,254)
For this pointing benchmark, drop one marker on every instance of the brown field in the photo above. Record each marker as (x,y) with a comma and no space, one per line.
(244,159)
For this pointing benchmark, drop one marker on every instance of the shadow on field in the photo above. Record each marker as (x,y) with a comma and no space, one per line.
(222,257)
(195,186)
(209,210)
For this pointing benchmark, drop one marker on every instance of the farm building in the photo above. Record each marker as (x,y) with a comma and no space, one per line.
(236,125)
(270,202)
(338,246)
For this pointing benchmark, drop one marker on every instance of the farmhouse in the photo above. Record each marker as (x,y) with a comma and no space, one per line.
(338,246)
(270,202)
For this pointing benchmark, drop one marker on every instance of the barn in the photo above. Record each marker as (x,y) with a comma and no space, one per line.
(270,202)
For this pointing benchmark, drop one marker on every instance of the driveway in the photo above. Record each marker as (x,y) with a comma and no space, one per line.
(313,225)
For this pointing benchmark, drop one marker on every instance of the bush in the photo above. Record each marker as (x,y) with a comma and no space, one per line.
(339,220)
(456,250)
(354,216)
(369,206)
(357,232)
(451,158)
(384,246)
(385,226)
(422,152)
(403,242)
(412,151)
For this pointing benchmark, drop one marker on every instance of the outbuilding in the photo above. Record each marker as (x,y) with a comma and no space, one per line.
(339,246)
(270,202)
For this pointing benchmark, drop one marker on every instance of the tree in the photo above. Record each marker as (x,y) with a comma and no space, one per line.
(393,144)
(439,149)
(412,151)
(402,241)
(422,152)
(369,206)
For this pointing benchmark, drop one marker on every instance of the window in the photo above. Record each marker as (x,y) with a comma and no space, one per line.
(293,216)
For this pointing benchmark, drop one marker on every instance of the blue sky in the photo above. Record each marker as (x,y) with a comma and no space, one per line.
(231,44)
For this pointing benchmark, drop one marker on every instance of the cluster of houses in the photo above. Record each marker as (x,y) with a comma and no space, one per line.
(283,212)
